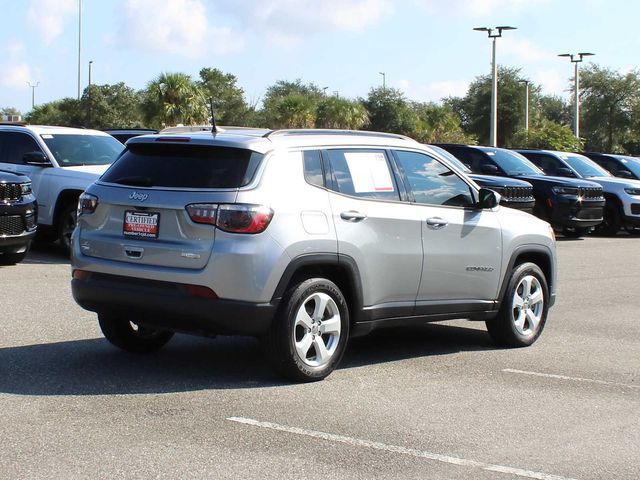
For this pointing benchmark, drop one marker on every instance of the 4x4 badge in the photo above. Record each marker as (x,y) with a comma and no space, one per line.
(138,196)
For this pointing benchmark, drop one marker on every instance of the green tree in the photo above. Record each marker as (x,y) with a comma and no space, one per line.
(553,108)
(67,112)
(111,106)
(439,123)
(548,135)
(173,98)
(475,107)
(289,104)
(609,101)
(390,111)
(337,112)
(230,107)
(10,112)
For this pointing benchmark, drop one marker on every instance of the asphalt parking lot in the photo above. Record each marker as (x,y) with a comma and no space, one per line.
(436,402)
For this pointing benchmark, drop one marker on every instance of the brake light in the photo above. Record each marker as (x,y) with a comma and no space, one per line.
(233,218)
(200,292)
(202,212)
(238,218)
(173,139)
(87,204)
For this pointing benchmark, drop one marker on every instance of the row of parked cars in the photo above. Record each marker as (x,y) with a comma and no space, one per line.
(576,193)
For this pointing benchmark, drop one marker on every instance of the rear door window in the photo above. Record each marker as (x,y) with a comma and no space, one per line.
(363,173)
(184,166)
(15,145)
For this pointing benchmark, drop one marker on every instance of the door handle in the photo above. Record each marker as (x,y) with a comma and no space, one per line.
(352,216)
(437,222)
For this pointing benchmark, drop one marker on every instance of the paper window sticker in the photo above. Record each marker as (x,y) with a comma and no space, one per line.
(369,172)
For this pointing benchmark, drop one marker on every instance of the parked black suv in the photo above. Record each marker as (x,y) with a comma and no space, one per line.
(18,217)
(124,134)
(622,194)
(573,206)
(514,193)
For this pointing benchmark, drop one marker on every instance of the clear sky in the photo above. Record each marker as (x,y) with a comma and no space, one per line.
(427,48)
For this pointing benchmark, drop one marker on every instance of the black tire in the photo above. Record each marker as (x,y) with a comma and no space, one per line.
(131,337)
(632,229)
(66,224)
(12,258)
(288,336)
(612,221)
(504,329)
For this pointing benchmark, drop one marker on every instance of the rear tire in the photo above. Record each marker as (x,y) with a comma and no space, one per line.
(131,337)
(524,308)
(309,333)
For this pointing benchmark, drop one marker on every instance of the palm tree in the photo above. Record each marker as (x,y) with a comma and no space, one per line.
(173,98)
(336,112)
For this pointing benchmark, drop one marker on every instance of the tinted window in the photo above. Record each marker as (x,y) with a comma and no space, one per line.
(452,158)
(630,163)
(547,163)
(363,173)
(585,167)
(512,163)
(183,166)
(313,168)
(76,150)
(15,145)
(433,183)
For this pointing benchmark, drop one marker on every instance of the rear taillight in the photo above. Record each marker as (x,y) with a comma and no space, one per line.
(203,212)
(233,218)
(87,204)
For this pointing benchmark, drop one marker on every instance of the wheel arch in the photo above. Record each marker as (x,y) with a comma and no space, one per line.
(537,254)
(65,197)
(340,269)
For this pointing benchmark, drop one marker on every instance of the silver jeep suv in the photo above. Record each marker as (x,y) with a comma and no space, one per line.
(304,238)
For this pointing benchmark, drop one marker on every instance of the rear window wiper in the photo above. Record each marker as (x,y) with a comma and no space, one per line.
(137,181)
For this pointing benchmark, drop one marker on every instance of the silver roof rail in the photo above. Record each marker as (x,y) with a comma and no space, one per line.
(329,131)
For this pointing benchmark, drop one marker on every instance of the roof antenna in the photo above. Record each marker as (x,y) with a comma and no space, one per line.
(214,128)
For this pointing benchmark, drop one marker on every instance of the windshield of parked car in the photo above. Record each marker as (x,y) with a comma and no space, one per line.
(513,163)
(452,158)
(630,163)
(76,150)
(585,166)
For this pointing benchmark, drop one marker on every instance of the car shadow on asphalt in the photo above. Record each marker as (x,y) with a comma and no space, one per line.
(94,367)
(46,253)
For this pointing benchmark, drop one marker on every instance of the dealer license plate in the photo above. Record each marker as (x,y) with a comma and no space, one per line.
(141,224)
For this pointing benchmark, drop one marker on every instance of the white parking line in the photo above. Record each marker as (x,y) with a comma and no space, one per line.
(356,442)
(564,377)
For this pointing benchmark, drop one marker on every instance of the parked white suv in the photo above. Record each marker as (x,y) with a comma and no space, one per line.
(303,237)
(61,162)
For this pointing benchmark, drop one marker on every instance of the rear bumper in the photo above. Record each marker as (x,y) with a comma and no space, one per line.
(170,306)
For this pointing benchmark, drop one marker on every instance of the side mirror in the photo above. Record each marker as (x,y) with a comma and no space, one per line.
(489,169)
(624,174)
(37,159)
(488,199)
(564,172)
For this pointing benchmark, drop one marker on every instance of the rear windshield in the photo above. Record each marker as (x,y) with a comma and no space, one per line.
(76,150)
(183,166)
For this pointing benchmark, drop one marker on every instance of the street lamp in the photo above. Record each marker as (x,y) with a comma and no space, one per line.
(491,32)
(526,103)
(79,42)
(576,59)
(90,65)
(89,93)
(33,93)
(384,80)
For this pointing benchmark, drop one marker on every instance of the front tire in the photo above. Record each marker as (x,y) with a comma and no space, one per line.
(309,333)
(131,337)
(612,221)
(524,308)
(66,225)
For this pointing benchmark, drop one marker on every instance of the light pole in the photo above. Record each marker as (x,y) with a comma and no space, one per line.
(493,129)
(90,65)
(79,42)
(526,104)
(89,93)
(384,80)
(576,59)
(33,93)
